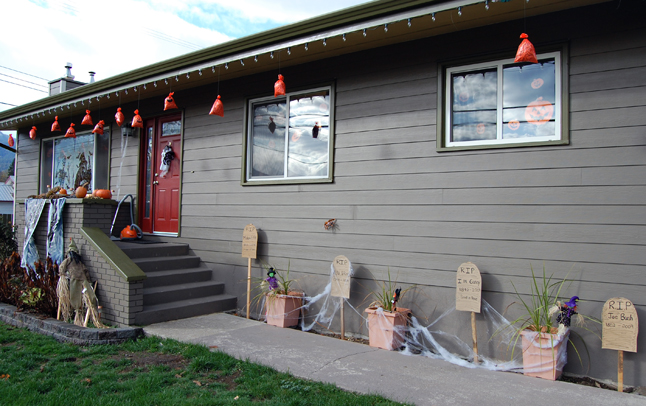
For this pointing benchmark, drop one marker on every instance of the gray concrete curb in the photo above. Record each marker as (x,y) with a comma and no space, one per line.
(67,332)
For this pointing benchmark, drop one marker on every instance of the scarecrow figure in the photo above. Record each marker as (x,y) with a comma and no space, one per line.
(80,289)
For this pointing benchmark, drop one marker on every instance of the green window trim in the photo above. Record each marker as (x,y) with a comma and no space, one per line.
(442,144)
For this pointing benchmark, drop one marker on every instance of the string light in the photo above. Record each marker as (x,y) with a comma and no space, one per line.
(289,51)
(155,83)
(200,72)
(271,55)
(324,42)
(241,62)
(385,27)
(145,84)
(176,78)
(226,65)
(306,47)
(460,10)
(433,16)
(134,88)
(255,58)
(486,4)
(409,23)
(365,34)
(166,80)
(343,37)
(212,69)
(188,75)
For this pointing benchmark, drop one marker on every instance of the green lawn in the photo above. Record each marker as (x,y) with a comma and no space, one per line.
(151,371)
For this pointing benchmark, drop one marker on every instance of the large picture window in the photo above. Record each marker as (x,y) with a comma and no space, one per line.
(503,103)
(70,162)
(289,138)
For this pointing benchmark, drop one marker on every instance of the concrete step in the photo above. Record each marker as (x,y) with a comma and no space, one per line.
(185,308)
(178,276)
(167,263)
(184,291)
(134,250)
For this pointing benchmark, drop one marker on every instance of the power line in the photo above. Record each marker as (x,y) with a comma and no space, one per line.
(8,104)
(37,77)
(18,84)
(22,80)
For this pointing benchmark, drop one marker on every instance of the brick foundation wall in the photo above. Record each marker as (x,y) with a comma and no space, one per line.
(120,299)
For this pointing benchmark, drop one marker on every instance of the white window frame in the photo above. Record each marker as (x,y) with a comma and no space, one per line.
(248,165)
(499,141)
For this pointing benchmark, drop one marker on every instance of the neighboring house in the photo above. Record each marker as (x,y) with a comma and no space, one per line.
(409,123)
(6,203)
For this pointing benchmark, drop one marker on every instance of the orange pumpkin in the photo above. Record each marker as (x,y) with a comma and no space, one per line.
(539,112)
(81,191)
(62,192)
(102,193)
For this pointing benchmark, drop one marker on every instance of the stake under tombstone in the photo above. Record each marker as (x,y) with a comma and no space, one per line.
(468,297)
(249,249)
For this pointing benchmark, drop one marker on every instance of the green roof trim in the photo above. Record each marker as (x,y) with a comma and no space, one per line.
(115,257)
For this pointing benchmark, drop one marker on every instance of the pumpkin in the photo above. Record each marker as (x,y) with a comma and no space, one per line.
(81,191)
(102,193)
(539,111)
(62,192)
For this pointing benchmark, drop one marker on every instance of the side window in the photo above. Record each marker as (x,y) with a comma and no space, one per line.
(290,138)
(70,162)
(501,103)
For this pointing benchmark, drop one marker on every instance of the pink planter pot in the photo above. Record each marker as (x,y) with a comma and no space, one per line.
(386,329)
(544,354)
(284,310)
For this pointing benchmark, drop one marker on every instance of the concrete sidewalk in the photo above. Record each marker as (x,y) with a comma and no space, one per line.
(359,368)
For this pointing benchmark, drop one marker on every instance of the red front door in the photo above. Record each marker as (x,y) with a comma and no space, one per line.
(160,178)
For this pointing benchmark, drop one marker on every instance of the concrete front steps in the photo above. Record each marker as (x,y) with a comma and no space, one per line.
(178,286)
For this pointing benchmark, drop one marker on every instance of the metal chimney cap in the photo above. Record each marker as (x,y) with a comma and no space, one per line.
(68,72)
(92,73)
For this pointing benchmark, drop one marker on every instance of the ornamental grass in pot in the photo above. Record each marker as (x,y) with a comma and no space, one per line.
(387,322)
(281,302)
(544,337)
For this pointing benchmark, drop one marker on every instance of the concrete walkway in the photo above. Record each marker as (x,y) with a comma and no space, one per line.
(359,368)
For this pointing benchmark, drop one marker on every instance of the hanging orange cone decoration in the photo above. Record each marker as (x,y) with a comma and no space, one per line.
(87,120)
(71,133)
(119,117)
(32,133)
(526,51)
(279,87)
(169,102)
(55,125)
(218,108)
(98,129)
(10,142)
(137,121)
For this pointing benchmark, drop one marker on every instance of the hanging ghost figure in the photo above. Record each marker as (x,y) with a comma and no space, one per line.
(55,125)
(169,102)
(218,108)
(137,121)
(71,133)
(119,117)
(98,129)
(279,87)
(87,120)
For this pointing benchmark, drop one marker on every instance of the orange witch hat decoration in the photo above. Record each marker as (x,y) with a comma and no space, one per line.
(87,120)
(137,121)
(218,108)
(119,118)
(526,51)
(279,86)
(32,133)
(55,125)
(71,133)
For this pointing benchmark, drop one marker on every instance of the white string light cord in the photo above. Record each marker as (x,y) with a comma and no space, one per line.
(360,29)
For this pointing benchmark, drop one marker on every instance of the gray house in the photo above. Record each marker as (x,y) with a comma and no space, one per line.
(406,121)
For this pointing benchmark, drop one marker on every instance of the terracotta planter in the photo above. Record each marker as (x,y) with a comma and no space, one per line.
(386,329)
(283,310)
(544,354)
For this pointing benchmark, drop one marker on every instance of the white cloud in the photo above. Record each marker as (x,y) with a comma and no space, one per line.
(112,37)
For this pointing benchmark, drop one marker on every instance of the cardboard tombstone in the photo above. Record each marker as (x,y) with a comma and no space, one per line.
(468,288)
(619,325)
(341,277)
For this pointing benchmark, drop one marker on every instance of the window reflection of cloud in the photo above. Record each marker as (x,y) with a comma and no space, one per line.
(517,83)
(470,132)
(475,91)
(474,117)
(527,130)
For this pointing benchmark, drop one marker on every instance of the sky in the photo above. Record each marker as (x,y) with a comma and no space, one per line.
(116,36)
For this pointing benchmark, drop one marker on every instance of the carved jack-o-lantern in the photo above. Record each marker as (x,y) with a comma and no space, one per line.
(480,128)
(539,112)
(513,125)
(463,97)
(537,83)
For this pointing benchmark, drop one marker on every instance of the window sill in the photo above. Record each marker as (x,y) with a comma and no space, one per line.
(501,146)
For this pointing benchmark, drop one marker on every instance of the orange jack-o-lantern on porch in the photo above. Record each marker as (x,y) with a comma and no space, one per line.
(539,112)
